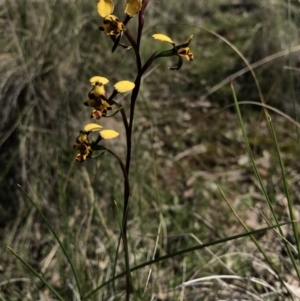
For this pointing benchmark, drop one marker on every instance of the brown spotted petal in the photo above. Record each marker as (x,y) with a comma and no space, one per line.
(85,153)
(186,53)
(112,25)
(80,157)
(83,146)
(97,91)
(184,50)
(92,103)
(97,114)
(82,138)
(105,106)
(101,110)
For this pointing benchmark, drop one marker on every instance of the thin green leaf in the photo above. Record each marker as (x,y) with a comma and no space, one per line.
(181,252)
(257,244)
(257,175)
(31,269)
(289,199)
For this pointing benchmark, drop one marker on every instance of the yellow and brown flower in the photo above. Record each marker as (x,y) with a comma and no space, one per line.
(184,50)
(181,50)
(100,110)
(98,96)
(83,146)
(86,148)
(112,25)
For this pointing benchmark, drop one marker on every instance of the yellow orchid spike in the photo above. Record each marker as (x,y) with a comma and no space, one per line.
(105,7)
(124,86)
(132,7)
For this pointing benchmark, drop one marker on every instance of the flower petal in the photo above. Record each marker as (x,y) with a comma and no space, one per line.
(132,7)
(91,103)
(98,79)
(109,134)
(188,40)
(186,53)
(106,106)
(179,64)
(124,86)
(185,44)
(112,25)
(105,7)
(97,92)
(92,127)
(82,138)
(80,158)
(97,114)
(162,37)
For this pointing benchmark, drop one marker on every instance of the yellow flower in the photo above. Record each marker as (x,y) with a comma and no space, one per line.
(105,7)
(124,86)
(83,138)
(100,111)
(97,114)
(111,24)
(92,127)
(181,50)
(98,90)
(104,134)
(83,146)
(98,96)
(84,154)
(184,49)
(132,7)
(100,107)
(98,79)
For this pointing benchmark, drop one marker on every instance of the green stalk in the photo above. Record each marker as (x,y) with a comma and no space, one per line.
(288,196)
(124,223)
(129,128)
(257,175)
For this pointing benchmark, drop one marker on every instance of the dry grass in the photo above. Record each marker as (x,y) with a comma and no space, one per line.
(183,146)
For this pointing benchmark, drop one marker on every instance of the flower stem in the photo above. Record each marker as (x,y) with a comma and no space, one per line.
(124,223)
(128,127)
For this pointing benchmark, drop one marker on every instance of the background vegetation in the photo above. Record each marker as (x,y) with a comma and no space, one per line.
(187,142)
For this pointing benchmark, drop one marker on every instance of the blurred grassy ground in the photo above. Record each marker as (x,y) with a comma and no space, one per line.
(186,140)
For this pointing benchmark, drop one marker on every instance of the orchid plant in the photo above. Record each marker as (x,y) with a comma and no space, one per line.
(108,106)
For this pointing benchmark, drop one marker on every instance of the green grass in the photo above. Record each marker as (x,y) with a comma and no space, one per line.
(184,147)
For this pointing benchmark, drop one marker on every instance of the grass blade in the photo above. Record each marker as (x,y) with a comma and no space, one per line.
(184,251)
(57,239)
(31,269)
(257,175)
(288,196)
(255,241)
